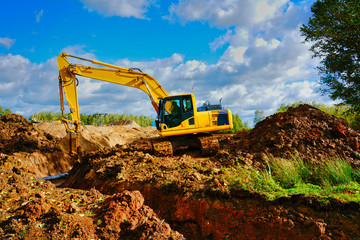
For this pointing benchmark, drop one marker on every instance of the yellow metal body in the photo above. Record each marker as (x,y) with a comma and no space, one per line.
(204,121)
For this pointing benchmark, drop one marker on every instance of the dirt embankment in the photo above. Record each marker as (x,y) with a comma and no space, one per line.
(31,208)
(24,147)
(304,131)
(93,138)
(192,196)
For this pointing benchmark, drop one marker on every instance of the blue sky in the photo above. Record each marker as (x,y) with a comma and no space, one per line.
(248,52)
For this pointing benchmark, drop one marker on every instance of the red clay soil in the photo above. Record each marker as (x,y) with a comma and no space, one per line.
(31,208)
(194,199)
(305,131)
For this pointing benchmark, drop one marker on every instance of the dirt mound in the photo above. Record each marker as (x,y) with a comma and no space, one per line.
(55,129)
(24,147)
(126,122)
(18,134)
(31,208)
(92,138)
(307,130)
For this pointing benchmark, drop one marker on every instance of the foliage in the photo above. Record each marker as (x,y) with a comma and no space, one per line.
(334,31)
(284,108)
(238,125)
(338,110)
(259,116)
(5,112)
(90,119)
(333,178)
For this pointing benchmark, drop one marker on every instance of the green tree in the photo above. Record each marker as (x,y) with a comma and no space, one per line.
(259,116)
(7,111)
(334,31)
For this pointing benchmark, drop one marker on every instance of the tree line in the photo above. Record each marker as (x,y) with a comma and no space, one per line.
(5,112)
(96,119)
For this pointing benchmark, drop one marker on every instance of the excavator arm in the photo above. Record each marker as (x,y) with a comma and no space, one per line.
(131,77)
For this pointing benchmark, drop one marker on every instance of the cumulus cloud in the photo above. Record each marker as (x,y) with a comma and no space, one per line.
(26,87)
(121,8)
(226,13)
(7,42)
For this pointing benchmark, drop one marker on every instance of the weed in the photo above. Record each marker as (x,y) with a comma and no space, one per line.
(333,178)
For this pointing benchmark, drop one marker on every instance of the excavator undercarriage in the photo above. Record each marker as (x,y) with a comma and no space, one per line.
(166,146)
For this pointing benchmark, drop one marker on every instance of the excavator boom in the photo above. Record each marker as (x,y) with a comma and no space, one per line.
(110,73)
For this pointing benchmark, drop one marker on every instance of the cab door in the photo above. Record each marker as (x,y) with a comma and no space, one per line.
(177,110)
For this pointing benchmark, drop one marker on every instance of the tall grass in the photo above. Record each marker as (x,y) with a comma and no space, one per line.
(281,177)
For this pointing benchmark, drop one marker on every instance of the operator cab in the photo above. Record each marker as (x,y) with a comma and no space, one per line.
(174,110)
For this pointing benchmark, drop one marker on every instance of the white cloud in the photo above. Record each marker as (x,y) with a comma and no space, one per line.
(121,8)
(39,15)
(226,13)
(7,42)
(260,42)
(234,55)
(264,10)
(26,87)
(222,40)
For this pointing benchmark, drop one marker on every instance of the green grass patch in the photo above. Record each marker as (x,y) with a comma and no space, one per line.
(333,178)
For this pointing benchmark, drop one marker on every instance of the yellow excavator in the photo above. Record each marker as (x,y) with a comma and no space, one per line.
(179,121)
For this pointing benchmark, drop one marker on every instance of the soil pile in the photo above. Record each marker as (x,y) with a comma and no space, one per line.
(31,208)
(55,129)
(92,138)
(17,134)
(307,130)
(26,148)
(125,122)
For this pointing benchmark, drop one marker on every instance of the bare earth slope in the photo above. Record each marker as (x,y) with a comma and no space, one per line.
(305,130)
(24,147)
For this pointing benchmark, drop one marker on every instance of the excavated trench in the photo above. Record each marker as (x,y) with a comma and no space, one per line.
(197,210)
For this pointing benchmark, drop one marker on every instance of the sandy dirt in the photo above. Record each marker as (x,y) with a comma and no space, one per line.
(93,138)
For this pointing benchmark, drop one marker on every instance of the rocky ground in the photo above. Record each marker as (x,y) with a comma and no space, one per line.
(118,193)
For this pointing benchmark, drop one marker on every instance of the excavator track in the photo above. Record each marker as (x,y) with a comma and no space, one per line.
(209,145)
(162,148)
(166,146)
